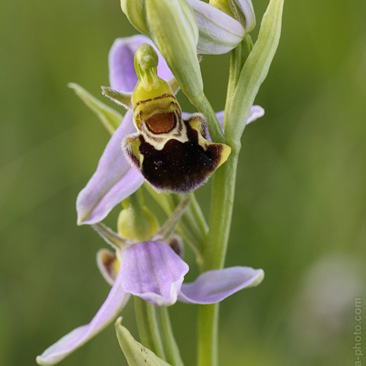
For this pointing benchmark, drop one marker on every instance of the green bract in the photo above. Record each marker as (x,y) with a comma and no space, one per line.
(183,28)
(255,70)
(176,38)
(135,353)
(177,41)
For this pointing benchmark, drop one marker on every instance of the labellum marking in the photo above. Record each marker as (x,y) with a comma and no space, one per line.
(171,153)
(161,123)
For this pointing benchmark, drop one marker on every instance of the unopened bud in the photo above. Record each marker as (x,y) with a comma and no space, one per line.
(134,10)
(241,10)
(137,224)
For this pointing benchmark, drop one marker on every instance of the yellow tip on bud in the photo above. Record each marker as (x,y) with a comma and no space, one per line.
(223,6)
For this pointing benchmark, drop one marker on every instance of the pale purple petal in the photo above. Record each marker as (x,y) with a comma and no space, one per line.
(214,286)
(186,115)
(153,271)
(255,112)
(113,181)
(219,32)
(76,338)
(220,116)
(122,75)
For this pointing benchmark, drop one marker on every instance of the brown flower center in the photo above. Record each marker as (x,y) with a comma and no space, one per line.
(161,122)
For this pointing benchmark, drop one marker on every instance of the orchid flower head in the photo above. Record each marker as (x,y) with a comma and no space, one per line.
(115,179)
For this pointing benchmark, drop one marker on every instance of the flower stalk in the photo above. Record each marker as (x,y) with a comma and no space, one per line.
(248,69)
(148,327)
(222,202)
(171,348)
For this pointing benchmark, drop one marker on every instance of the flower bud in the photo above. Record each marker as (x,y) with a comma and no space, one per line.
(134,10)
(241,10)
(137,224)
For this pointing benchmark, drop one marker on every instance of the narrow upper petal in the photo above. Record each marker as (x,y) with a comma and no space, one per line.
(113,181)
(255,112)
(214,286)
(153,271)
(218,32)
(76,338)
(122,75)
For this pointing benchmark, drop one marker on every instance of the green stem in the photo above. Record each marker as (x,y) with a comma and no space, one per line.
(153,324)
(207,334)
(222,200)
(148,327)
(170,345)
(141,320)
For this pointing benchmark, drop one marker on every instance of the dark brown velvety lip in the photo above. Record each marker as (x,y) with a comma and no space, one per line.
(179,167)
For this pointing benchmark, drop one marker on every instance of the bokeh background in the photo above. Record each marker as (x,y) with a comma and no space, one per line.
(300,207)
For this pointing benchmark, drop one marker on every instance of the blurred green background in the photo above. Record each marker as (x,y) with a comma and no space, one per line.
(300,207)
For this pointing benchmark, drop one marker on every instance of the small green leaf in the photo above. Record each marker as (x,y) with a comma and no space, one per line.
(108,116)
(173,28)
(135,353)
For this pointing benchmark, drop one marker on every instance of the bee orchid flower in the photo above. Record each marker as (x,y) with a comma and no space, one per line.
(115,179)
